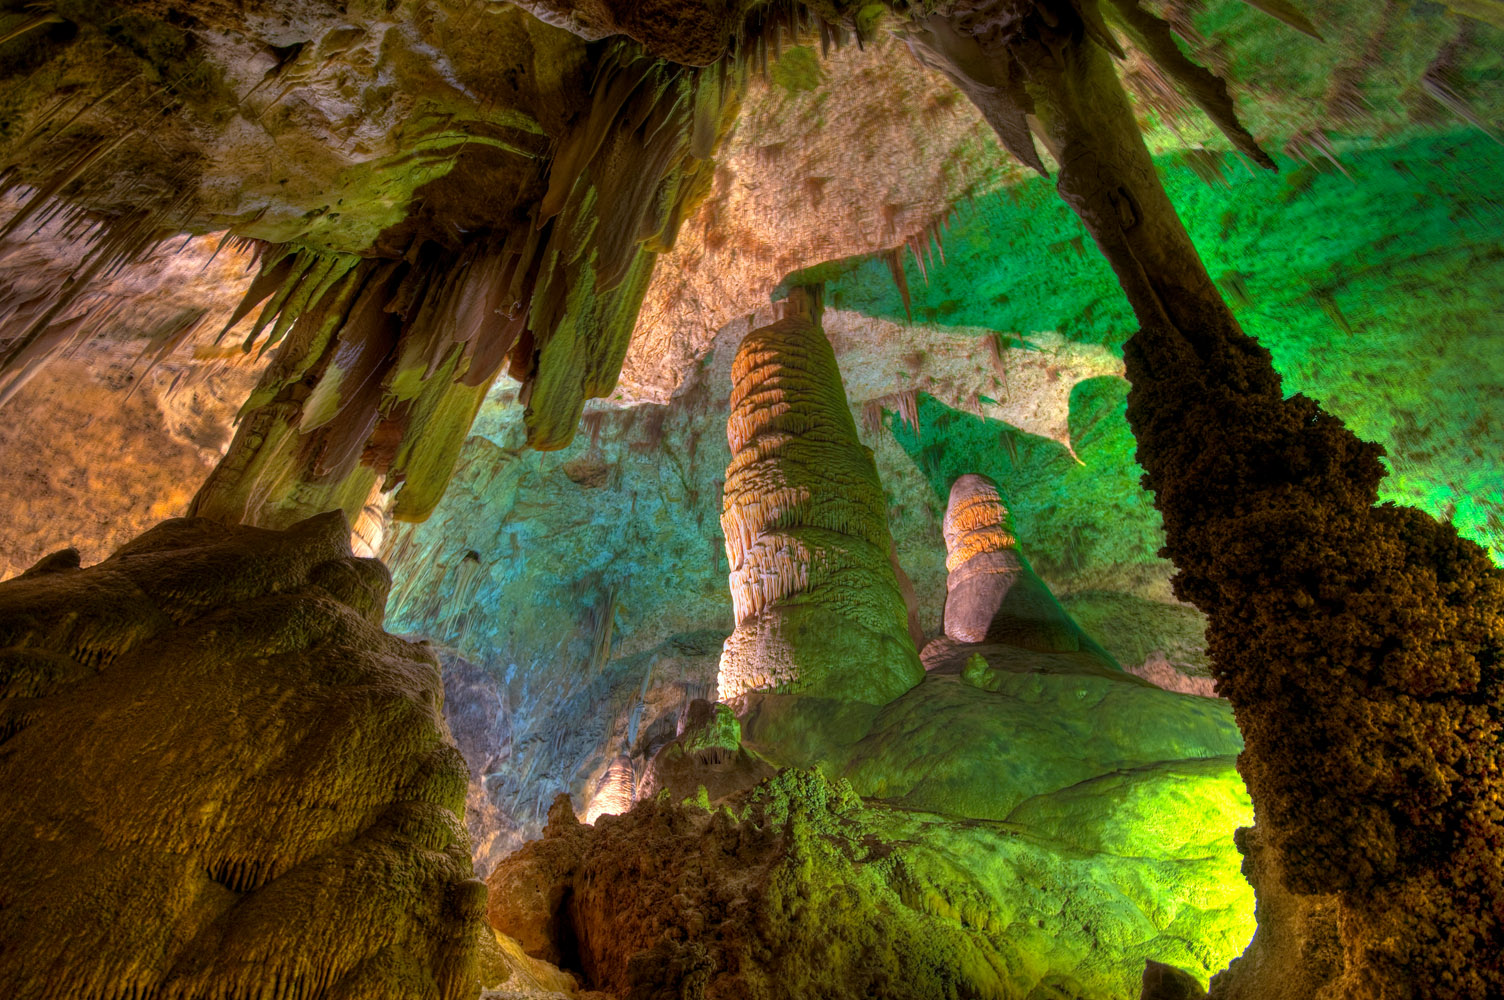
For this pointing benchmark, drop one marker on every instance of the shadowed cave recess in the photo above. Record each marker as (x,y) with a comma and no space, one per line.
(674,500)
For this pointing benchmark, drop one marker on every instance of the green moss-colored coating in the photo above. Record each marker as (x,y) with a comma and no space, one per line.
(1377,293)
(797,69)
(721,732)
(805,890)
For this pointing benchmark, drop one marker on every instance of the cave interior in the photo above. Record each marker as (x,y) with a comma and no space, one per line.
(720,499)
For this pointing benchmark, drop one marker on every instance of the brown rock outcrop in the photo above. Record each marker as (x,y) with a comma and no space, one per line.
(1360,645)
(818,607)
(991,592)
(222,778)
(1297,949)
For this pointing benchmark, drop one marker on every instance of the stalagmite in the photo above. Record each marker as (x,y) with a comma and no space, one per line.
(991,592)
(223,779)
(818,608)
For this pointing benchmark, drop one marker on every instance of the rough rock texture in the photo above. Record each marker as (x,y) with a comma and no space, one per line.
(1359,644)
(476,713)
(1297,950)
(797,888)
(991,592)
(1361,648)
(224,779)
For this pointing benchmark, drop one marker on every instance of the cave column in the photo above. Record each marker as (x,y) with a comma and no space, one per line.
(818,606)
(1358,643)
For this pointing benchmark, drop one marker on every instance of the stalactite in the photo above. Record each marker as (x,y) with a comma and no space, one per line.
(382,364)
(817,604)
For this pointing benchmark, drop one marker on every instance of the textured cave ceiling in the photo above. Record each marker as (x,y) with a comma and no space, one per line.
(496,278)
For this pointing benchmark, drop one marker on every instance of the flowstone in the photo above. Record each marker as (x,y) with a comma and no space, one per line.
(223,779)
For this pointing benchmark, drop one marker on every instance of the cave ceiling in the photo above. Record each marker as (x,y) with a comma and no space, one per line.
(616,181)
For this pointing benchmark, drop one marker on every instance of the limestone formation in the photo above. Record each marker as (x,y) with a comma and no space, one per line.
(798,889)
(223,779)
(1360,647)
(384,361)
(818,607)
(1359,644)
(991,592)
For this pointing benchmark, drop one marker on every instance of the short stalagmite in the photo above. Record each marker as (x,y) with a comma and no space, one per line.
(818,608)
(223,779)
(991,592)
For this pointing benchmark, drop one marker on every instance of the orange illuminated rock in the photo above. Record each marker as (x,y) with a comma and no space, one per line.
(818,607)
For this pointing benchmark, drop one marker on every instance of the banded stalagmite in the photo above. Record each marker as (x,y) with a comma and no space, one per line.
(818,606)
(992,594)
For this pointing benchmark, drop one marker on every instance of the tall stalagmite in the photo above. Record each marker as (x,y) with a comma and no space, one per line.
(818,608)
(223,779)
(992,594)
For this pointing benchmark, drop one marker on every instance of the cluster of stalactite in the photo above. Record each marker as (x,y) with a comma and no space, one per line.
(749,31)
(382,363)
(223,779)
(991,592)
(818,606)
(39,321)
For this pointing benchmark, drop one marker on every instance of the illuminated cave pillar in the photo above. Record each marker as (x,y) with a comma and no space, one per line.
(1357,642)
(992,594)
(818,606)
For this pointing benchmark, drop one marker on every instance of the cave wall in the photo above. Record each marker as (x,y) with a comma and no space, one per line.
(223,778)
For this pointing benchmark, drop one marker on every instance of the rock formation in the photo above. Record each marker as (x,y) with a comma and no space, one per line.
(798,888)
(384,361)
(991,592)
(440,192)
(817,605)
(222,778)
(1360,646)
